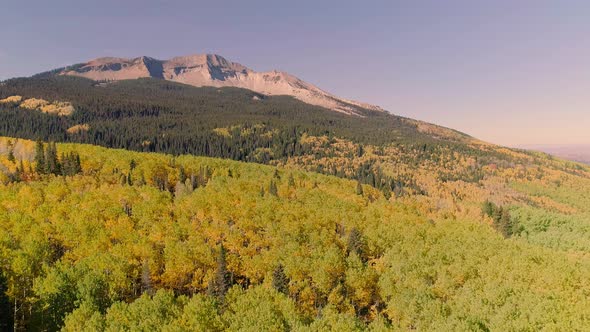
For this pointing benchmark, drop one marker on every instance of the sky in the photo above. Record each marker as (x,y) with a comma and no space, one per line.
(511,72)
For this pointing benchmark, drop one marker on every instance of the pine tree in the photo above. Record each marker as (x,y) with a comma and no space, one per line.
(221,282)
(505,224)
(488,208)
(280,281)
(291,181)
(40,158)
(272,188)
(66,168)
(51,162)
(181,174)
(360,151)
(194,182)
(78,164)
(11,157)
(356,243)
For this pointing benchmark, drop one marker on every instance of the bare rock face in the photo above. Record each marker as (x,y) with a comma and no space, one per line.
(112,69)
(214,70)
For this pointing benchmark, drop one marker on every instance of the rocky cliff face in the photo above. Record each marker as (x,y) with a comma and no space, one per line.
(214,70)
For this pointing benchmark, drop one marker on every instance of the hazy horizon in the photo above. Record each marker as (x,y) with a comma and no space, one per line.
(508,73)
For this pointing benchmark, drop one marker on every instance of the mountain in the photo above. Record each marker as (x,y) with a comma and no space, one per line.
(216,71)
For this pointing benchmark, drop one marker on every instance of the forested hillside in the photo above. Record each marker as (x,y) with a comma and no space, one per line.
(102,239)
(322,221)
(160,116)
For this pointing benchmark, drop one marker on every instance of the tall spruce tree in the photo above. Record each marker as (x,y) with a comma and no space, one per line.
(40,158)
(52,165)
(280,281)
(11,156)
(221,282)
(181,174)
(272,188)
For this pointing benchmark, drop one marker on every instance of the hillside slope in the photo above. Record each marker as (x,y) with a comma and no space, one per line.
(136,235)
(155,115)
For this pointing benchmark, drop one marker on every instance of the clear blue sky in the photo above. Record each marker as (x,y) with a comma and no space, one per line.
(510,72)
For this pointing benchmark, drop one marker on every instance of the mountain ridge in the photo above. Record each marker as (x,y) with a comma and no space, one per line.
(213,70)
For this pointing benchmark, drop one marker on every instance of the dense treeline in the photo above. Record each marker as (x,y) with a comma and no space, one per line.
(47,162)
(160,116)
(182,111)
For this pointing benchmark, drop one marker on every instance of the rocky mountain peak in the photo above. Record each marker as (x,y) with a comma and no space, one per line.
(214,70)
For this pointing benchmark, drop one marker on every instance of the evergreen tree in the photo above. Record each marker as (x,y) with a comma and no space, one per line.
(51,162)
(221,282)
(40,158)
(505,224)
(194,182)
(291,181)
(272,188)
(360,151)
(11,157)
(280,281)
(356,243)
(488,208)
(78,164)
(181,174)
(70,164)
